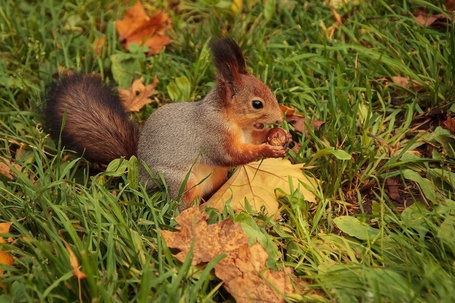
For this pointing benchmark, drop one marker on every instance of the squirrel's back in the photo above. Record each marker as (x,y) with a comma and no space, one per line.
(94,121)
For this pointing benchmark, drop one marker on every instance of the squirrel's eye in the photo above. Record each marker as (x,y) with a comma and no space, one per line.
(257,104)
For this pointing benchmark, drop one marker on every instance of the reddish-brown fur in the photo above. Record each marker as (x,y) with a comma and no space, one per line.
(201,140)
(94,121)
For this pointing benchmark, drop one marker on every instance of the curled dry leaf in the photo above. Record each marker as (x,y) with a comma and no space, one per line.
(257,183)
(138,95)
(77,273)
(138,28)
(243,270)
(449,124)
(5,168)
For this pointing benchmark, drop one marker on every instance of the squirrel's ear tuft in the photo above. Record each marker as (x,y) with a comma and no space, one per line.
(228,59)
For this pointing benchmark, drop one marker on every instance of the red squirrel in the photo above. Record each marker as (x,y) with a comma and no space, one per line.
(193,141)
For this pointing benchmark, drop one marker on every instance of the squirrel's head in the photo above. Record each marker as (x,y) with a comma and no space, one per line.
(247,101)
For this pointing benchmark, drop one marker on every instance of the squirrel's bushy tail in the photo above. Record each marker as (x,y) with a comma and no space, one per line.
(89,117)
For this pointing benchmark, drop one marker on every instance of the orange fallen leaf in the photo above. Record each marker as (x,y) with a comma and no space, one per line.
(449,124)
(137,95)
(4,229)
(257,183)
(5,258)
(6,170)
(243,270)
(138,28)
(77,273)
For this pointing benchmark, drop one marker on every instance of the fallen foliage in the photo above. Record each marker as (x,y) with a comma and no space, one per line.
(243,269)
(258,182)
(138,28)
(5,168)
(138,95)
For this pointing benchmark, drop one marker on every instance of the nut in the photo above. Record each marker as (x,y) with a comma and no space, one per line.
(278,136)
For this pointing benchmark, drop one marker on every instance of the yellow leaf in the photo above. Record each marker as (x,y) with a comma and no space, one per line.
(5,259)
(257,183)
(237,6)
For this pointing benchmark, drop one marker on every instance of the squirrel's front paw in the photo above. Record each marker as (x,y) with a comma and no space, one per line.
(271,151)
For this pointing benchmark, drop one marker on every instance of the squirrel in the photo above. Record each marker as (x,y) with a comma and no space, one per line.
(197,142)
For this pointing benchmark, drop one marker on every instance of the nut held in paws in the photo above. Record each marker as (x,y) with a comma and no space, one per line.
(277,136)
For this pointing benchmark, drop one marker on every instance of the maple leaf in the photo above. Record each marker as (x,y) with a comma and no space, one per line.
(243,270)
(138,28)
(134,98)
(5,258)
(257,183)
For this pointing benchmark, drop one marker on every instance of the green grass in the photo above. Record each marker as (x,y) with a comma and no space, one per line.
(406,253)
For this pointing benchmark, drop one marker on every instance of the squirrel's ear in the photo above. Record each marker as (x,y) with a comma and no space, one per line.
(228,59)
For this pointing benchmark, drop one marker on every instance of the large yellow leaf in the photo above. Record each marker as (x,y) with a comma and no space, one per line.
(258,182)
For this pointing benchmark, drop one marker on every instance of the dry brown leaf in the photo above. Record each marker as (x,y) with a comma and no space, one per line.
(257,183)
(210,240)
(450,5)
(298,121)
(5,258)
(408,83)
(449,124)
(394,189)
(5,168)
(436,21)
(137,96)
(138,28)
(77,273)
(405,82)
(243,270)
